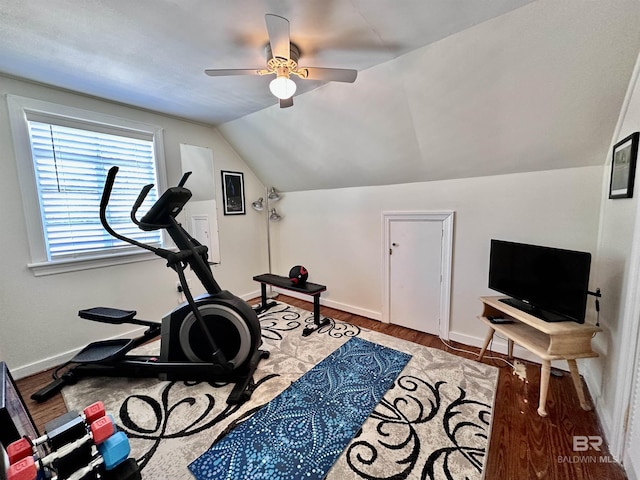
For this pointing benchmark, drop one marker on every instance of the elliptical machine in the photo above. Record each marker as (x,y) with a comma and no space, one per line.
(213,337)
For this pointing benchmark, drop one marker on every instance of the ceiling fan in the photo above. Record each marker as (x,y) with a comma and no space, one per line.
(282,61)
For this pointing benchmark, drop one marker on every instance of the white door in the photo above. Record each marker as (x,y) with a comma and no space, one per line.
(417,256)
(201,230)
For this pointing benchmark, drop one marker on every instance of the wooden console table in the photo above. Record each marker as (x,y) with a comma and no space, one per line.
(547,340)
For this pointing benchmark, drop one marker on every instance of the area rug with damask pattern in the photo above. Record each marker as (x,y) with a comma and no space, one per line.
(432,423)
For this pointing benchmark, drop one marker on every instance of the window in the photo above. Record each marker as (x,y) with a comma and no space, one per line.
(63,157)
(71,166)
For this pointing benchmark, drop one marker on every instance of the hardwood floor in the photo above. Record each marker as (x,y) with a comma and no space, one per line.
(523,445)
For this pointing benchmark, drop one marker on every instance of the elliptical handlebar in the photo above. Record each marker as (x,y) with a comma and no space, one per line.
(104,202)
(108,186)
(184,178)
(143,194)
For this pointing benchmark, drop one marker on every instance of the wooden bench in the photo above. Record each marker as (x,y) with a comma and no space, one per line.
(308,288)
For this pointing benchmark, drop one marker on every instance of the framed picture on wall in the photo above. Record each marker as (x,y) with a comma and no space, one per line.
(623,167)
(233,193)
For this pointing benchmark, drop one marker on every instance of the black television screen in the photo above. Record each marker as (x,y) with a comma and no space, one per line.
(549,283)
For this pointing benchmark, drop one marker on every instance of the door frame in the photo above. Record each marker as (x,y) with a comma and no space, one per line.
(446,218)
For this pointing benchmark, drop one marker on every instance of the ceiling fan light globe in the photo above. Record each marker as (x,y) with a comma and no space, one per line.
(282,87)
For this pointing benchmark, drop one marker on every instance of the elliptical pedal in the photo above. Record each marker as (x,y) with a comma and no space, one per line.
(107,315)
(104,351)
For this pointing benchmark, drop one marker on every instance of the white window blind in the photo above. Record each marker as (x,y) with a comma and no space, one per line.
(71,166)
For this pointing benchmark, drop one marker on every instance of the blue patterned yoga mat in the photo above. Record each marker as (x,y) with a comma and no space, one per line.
(302,432)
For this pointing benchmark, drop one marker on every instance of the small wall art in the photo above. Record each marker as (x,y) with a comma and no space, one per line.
(233,193)
(623,167)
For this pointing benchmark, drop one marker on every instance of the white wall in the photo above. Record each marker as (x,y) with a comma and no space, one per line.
(618,268)
(337,234)
(38,316)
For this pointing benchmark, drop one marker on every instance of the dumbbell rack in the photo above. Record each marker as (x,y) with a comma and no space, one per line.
(75,446)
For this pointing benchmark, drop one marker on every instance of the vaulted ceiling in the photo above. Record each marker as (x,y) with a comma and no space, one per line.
(538,88)
(445,89)
(153,53)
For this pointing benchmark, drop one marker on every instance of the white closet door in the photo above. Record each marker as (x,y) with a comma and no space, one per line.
(415,274)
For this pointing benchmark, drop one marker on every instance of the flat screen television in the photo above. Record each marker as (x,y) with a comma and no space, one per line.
(549,283)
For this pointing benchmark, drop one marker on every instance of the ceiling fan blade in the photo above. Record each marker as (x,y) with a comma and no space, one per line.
(330,74)
(287,102)
(229,71)
(278,30)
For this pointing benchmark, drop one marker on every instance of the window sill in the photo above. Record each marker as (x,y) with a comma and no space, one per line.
(72,265)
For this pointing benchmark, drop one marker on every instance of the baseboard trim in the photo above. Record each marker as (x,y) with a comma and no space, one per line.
(327,302)
(251,295)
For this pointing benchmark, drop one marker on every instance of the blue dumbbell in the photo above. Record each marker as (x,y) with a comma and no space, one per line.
(114,450)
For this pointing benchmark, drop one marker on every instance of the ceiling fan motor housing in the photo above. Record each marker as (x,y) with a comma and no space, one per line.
(277,64)
(285,63)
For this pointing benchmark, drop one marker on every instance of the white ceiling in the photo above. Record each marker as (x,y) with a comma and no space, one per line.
(537,88)
(446,88)
(152,53)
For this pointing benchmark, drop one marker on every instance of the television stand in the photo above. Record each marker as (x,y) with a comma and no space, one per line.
(549,341)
